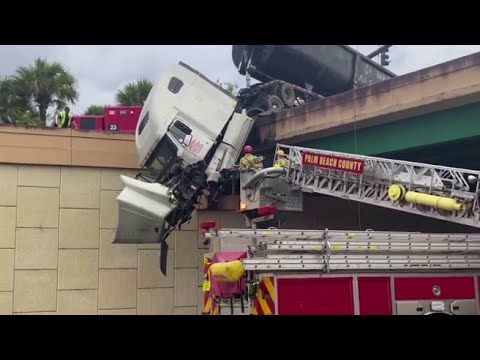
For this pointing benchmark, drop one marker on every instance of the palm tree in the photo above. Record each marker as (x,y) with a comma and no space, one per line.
(47,84)
(134,93)
(95,110)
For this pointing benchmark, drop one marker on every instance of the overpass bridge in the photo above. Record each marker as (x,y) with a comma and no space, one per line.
(430,115)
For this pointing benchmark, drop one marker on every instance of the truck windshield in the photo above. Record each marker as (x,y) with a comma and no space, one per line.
(161,157)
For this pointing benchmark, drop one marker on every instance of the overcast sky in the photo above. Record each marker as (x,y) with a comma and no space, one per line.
(102,69)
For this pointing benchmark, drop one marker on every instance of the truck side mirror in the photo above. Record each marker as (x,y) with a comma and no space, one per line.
(187,139)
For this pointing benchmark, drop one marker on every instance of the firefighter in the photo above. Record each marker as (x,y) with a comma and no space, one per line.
(250,161)
(282,161)
(64,118)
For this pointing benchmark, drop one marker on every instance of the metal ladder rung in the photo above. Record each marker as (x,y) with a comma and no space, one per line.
(382,249)
(270,257)
(351,267)
(371,263)
(332,235)
(364,259)
(332,262)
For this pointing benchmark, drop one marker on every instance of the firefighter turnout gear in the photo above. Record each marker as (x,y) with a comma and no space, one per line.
(282,161)
(250,161)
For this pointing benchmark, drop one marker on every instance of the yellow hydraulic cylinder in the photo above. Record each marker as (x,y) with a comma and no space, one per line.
(398,192)
(438,202)
(229,271)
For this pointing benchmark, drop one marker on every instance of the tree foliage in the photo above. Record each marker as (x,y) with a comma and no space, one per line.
(95,110)
(8,107)
(46,84)
(231,87)
(26,96)
(134,93)
(15,107)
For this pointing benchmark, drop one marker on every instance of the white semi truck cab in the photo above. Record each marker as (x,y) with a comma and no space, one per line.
(190,129)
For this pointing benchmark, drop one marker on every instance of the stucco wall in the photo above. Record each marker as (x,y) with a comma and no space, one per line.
(56,256)
(55,146)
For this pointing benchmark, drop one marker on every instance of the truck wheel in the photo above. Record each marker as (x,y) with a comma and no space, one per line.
(254,111)
(275,103)
(274,90)
(287,94)
(261,102)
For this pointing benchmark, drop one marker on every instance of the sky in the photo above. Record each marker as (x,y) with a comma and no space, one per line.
(103,69)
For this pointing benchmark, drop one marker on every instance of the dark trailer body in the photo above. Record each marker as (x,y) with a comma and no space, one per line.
(290,73)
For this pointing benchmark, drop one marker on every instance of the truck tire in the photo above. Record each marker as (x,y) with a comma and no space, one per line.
(274,89)
(254,111)
(287,94)
(261,101)
(275,103)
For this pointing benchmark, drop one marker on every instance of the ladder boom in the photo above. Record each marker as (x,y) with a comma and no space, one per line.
(445,193)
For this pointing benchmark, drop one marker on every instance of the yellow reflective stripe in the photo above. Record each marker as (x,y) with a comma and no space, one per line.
(208,305)
(263,304)
(269,285)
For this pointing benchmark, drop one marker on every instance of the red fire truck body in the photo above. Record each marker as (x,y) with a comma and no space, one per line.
(296,272)
(402,294)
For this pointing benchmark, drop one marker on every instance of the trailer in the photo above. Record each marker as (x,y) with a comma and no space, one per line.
(290,75)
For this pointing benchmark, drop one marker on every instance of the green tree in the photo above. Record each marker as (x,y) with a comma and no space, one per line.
(231,87)
(8,109)
(95,110)
(134,93)
(14,102)
(29,117)
(46,84)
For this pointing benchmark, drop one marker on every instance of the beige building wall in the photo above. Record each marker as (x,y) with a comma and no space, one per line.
(57,224)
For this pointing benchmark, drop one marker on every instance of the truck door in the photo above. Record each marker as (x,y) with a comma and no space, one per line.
(193,143)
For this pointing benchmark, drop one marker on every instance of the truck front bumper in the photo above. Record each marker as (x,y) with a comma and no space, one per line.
(142,210)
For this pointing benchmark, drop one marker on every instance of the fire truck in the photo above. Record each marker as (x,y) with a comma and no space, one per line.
(263,270)
(191,131)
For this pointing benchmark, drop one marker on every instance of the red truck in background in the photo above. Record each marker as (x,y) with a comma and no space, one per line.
(115,118)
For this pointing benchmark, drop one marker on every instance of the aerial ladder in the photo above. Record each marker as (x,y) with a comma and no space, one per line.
(445,193)
(440,192)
